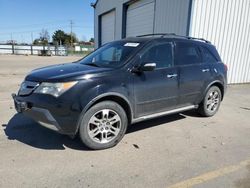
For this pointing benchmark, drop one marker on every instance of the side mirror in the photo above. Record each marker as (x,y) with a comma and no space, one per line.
(147,67)
(144,67)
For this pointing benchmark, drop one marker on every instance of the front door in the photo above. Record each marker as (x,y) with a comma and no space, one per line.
(156,91)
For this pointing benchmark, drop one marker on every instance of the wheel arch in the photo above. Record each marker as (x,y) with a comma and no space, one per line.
(111,96)
(220,85)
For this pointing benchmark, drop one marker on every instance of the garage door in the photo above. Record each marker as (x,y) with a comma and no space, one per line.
(140,18)
(108,27)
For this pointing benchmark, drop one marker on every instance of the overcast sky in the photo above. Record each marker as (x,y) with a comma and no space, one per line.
(21,18)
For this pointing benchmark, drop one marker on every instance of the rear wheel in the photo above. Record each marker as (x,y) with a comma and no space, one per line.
(211,103)
(103,125)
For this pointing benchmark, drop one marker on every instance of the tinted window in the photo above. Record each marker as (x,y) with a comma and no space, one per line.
(187,53)
(208,56)
(160,54)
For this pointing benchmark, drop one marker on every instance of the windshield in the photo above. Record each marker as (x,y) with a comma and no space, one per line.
(112,55)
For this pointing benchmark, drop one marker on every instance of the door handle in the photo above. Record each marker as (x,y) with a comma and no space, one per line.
(205,70)
(172,75)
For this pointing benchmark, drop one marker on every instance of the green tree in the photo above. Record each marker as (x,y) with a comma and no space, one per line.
(91,40)
(73,37)
(36,42)
(62,38)
(59,37)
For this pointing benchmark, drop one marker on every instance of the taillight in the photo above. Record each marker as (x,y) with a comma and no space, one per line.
(225,66)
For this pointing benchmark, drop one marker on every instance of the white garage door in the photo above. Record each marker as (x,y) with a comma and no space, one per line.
(140,18)
(108,27)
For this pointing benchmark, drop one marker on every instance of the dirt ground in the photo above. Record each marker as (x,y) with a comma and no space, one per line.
(182,150)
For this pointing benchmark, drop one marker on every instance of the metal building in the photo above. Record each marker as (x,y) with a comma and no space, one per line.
(226,23)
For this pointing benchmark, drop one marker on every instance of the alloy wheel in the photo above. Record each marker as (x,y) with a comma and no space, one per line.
(213,101)
(104,126)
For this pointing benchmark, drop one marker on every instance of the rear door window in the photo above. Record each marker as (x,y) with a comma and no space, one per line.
(187,54)
(207,56)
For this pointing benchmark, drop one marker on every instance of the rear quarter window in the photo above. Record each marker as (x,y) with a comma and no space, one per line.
(207,56)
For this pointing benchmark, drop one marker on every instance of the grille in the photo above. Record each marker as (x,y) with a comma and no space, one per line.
(27,87)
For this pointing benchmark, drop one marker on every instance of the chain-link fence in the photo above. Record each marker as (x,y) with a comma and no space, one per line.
(47,50)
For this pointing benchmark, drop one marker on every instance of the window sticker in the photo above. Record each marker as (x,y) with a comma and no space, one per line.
(132,44)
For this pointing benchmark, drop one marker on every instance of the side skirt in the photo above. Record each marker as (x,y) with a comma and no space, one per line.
(177,110)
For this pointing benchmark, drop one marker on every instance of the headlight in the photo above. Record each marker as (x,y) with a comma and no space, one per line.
(55,89)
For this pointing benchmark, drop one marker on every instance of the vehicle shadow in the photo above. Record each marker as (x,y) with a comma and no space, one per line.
(27,131)
(154,122)
(192,113)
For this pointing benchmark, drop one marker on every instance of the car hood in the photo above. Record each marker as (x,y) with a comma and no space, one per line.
(64,72)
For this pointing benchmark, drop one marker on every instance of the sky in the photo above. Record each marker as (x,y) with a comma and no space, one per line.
(20,19)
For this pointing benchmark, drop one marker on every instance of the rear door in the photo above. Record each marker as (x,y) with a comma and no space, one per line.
(156,91)
(194,74)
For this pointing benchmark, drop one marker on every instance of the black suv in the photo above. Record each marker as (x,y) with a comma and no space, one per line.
(124,82)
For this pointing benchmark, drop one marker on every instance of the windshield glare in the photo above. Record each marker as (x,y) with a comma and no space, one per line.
(113,54)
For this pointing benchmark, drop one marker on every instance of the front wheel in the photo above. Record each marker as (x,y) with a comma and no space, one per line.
(103,125)
(211,103)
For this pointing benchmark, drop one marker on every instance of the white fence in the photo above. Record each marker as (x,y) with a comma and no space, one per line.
(33,50)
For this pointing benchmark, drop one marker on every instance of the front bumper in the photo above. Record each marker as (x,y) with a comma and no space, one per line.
(45,115)
(40,115)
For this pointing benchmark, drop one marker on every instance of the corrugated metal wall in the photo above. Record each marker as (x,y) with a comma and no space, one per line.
(226,23)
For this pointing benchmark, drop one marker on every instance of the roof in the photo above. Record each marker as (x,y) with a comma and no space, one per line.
(170,37)
(94,4)
(175,36)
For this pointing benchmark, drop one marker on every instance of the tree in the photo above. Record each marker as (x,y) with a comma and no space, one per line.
(91,40)
(62,38)
(59,37)
(73,37)
(44,37)
(36,42)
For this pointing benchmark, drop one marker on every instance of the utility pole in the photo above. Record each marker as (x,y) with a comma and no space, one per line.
(13,50)
(31,46)
(22,38)
(71,25)
(31,37)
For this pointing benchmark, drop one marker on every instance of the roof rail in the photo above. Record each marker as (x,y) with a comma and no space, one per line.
(173,34)
(156,34)
(194,38)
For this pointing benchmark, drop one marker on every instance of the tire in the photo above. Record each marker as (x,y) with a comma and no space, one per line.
(103,125)
(211,102)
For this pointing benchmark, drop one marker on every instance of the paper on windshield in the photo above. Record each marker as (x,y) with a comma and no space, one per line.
(132,44)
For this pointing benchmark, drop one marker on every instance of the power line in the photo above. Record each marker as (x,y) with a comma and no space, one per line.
(29,31)
(77,26)
(35,24)
(38,25)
